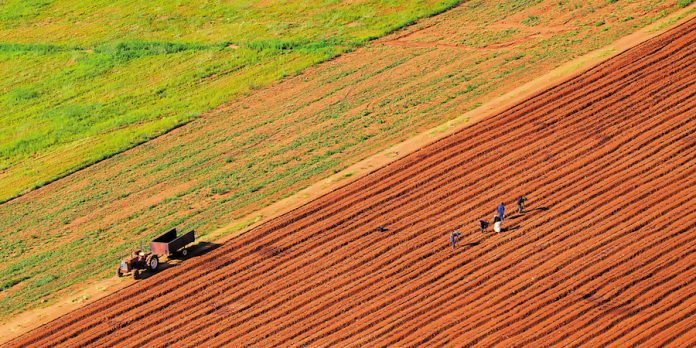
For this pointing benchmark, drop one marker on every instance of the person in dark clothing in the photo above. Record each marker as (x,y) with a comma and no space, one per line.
(454,239)
(483,224)
(501,211)
(520,203)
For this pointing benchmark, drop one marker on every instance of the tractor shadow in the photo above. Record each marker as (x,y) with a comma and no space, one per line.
(196,250)
(144,274)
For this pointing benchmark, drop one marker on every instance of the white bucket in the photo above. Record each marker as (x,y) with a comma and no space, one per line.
(497,227)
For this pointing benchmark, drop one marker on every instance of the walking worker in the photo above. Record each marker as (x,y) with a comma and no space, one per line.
(483,224)
(497,223)
(520,203)
(454,238)
(501,211)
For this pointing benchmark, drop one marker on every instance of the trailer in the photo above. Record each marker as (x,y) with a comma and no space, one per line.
(168,243)
(164,245)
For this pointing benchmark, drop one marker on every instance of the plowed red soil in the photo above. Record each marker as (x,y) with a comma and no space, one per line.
(603,256)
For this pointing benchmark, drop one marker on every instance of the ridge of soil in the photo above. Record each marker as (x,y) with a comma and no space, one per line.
(604,254)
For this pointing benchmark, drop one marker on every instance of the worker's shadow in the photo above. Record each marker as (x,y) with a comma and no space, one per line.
(510,229)
(519,215)
(470,244)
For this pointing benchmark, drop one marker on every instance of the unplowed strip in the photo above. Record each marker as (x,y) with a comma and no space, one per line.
(603,255)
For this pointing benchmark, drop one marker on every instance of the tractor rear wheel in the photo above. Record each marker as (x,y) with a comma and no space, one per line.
(152,262)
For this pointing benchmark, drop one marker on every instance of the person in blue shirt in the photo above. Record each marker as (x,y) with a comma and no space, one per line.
(501,211)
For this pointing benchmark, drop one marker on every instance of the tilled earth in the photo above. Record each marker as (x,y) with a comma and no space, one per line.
(604,254)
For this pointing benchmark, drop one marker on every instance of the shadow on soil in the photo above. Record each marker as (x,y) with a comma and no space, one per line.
(268,250)
(518,215)
(196,250)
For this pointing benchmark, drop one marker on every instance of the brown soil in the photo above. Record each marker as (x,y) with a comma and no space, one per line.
(603,256)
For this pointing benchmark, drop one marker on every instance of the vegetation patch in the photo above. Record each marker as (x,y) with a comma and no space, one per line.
(83,81)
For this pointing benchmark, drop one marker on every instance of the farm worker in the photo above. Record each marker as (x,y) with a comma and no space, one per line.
(501,211)
(497,223)
(454,238)
(483,224)
(520,203)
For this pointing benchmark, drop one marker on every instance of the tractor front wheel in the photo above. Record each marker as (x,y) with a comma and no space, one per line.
(118,272)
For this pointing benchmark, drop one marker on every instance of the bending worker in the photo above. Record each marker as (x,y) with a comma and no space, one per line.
(454,238)
(520,204)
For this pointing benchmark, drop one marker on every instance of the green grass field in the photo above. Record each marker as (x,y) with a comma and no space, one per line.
(83,80)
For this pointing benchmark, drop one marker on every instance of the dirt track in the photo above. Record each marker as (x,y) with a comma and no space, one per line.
(604,255)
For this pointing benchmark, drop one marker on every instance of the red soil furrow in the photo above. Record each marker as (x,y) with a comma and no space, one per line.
(625,322)
(479,282)
(683,339)
(670,298)
(590,319)
(619,135)
(668,293)
(681,334)
(662,328)
(648,281)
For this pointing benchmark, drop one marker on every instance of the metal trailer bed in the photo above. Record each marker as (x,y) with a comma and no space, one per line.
(168,243)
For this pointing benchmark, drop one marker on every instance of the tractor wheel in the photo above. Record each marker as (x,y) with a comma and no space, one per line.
(118,272)
(152,263)
(184,252)
(135,274)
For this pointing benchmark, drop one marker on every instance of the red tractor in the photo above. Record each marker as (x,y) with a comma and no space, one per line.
(164,245)
(138,260)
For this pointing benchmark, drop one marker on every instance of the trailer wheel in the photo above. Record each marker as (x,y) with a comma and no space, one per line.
(184,252)
(152,263)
